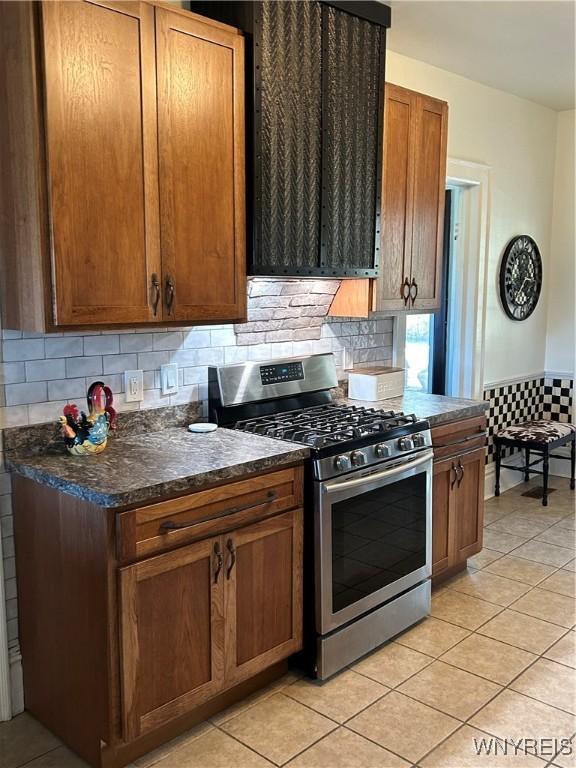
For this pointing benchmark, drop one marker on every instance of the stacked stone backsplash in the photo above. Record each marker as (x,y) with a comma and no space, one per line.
(39,373)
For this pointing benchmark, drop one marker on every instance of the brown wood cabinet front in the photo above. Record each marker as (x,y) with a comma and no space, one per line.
(263,594)
(201,150)
(200,619)
(458,508)
(415,139)
(125,148)
(172,634)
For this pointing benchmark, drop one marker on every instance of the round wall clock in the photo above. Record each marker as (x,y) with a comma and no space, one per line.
(520,277)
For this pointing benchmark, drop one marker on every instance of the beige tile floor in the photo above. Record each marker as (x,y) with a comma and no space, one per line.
(497,658)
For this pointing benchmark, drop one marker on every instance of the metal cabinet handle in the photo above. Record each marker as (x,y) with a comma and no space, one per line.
(414,285)
(219,562)
(169,294)
(461,468)
(405,290)
(475,436)
(170,525)
(453,483)
(232,549)
(156,289)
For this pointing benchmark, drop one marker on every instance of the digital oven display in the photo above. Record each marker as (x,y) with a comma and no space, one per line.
(281,372)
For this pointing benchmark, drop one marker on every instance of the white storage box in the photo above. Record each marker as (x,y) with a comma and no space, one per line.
(375,383)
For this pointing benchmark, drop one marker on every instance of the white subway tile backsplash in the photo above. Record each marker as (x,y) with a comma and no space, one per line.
(23,349)
(68,389)
(83,366)
(45,370)
(119,363)
(65,346)
(12,373)
(168,341)
(138,342)
(101,345)
(149,361)
(22,394)
(40,412)
(195,339)
(14,416)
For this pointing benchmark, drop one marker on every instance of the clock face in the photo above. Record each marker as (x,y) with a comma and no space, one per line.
(520,277)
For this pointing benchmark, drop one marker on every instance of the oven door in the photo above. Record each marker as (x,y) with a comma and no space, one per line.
(373,538)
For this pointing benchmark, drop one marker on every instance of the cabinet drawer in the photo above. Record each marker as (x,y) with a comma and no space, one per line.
(158,527)
(458,437)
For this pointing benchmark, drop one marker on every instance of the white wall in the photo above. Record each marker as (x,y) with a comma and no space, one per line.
(517,139)
(560,349)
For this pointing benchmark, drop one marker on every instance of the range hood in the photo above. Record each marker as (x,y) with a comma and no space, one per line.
(315,90)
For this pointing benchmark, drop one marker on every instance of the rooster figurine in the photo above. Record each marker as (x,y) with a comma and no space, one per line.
(86,435)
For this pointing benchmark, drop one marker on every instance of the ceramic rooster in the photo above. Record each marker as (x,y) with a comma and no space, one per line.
(86,435)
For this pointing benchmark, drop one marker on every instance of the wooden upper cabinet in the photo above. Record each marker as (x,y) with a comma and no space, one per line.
(201,151)
(100,97)
(172,634)
(397,195)
(412,218)
(415,138)
(100,112)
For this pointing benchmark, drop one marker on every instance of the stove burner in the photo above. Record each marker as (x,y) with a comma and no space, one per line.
(327,425)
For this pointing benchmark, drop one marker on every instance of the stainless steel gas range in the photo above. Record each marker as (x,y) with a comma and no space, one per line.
(368,501)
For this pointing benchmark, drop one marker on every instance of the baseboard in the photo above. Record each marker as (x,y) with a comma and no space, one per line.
(508,477)
(16,681)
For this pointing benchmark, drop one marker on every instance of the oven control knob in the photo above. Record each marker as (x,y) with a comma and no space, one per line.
(358,458)
(382,451)
(419,441)
(341,463)
(405,443)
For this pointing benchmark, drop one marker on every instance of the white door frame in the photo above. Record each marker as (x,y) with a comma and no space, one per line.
(466,379)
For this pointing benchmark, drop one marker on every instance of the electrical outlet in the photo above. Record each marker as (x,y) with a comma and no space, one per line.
(169,378)
(134,386)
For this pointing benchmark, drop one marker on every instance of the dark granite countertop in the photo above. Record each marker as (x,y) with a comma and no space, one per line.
(142,468)
(437,409)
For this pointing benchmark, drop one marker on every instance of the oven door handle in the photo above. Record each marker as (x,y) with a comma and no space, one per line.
(371,478)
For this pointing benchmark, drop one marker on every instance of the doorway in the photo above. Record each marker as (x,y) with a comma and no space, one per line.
(455,334)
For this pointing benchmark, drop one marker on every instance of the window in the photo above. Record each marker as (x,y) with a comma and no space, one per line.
(419,346)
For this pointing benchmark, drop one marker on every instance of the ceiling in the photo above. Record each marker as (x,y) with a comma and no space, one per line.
(525,47)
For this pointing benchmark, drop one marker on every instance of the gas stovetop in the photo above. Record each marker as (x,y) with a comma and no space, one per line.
(328,425)
(291,399)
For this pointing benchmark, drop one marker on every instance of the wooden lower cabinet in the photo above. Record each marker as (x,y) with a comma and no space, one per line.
(458,503)
(141,631)
(200,619)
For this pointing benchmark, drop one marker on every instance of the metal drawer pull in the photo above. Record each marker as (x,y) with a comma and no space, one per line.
(405,290)
(232,549)
(156,287)
(453,483)
(415,286)
(219,562)
(170,525)
(459,442)
(169,294)
(461,468)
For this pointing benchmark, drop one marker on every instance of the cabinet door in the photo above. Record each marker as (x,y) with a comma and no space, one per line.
(100,111)
(201,155)
(469,506)
(442,504)
(428,201)
(263,594)
(397,190)
(172,634)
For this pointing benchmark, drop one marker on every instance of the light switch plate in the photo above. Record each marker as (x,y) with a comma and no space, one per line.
(169,378)
(134,386)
